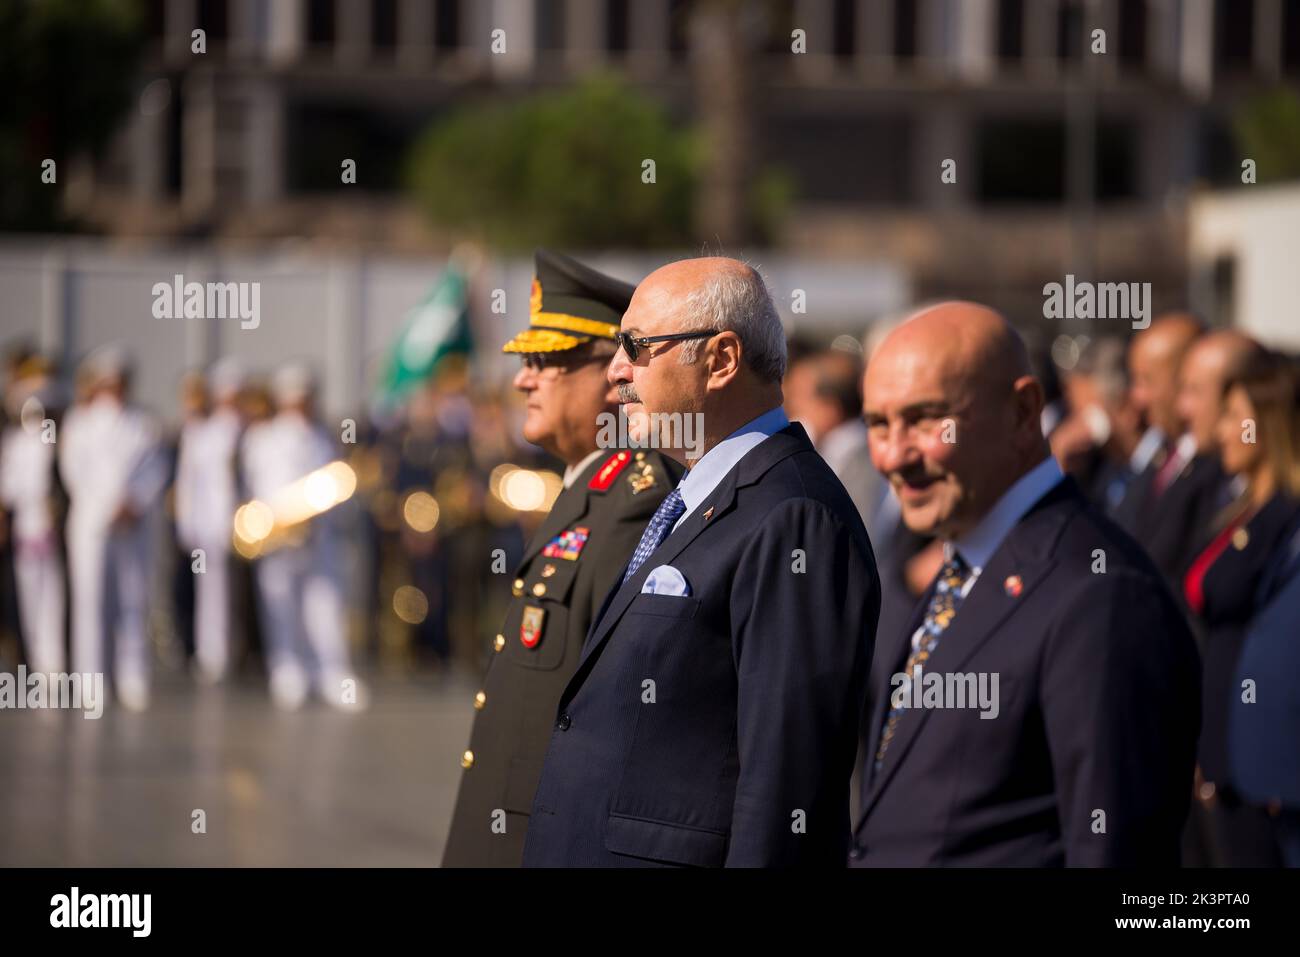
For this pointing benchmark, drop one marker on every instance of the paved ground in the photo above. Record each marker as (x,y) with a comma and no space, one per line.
(312,788)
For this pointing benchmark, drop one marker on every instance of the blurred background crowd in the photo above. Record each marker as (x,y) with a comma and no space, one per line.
(348,472)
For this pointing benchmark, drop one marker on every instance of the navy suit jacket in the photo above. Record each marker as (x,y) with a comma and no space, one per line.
(1175,526)
(1098,710)
(720,728)
(1265,758)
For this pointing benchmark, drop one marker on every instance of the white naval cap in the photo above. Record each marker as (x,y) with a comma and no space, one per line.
(291,383)
(108,363)
(226,377)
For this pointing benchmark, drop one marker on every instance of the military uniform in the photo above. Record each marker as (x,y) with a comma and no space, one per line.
(573,561)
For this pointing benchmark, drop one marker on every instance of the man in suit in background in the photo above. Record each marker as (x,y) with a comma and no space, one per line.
(570,564)
(1169,506)
(713,717)
(1041,708)
(823,393)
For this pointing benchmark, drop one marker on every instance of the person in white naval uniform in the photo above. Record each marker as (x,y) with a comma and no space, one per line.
(300,583)
(206,497)
(27,491)
(111,463)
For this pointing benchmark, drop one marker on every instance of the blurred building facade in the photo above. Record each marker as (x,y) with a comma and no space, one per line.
(247,138)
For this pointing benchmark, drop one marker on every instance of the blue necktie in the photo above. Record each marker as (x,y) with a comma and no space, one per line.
(661,523)
(943,608)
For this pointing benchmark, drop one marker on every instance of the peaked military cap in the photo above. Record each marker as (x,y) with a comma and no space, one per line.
(570,304)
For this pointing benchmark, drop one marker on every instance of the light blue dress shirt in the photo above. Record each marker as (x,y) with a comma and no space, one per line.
(978,545)
(713,466)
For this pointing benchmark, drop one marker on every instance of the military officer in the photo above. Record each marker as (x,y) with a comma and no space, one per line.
(301,585)
(575,558)
(206,496)
(111,462)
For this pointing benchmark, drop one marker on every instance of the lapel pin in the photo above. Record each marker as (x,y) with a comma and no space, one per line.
(1013,586)
(708,513)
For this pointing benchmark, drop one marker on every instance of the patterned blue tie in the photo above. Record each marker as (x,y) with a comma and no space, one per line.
(943,608)
(661,523)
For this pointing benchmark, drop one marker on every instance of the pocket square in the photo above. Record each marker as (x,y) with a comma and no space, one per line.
(666,580)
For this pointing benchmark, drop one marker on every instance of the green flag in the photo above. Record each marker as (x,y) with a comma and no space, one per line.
(437,327)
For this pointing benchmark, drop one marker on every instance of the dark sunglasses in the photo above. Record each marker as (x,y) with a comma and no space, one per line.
(632,344)
(537,361)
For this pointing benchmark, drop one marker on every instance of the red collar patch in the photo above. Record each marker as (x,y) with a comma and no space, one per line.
(606,474)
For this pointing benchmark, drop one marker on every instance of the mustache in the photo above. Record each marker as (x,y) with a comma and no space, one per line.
(627,393)
(917,475)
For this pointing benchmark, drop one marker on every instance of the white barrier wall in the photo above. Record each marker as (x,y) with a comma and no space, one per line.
(339,312)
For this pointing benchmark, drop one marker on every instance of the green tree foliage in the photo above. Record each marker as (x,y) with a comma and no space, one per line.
(66,69)
(559,168)
(1268,131)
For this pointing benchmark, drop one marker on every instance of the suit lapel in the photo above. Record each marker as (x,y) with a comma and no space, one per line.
(1025,554)
(894,658)
(719,502)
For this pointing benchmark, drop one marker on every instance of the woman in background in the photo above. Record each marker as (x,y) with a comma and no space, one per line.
(1259,446)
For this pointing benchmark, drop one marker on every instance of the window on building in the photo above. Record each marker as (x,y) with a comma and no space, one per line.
(1291,37)
(679,24)
(174,140)
(1020,161)
(383,25)
(213,19)
(905,29)
(844,28)
(1069,30)
(155,19)
(446,25)
(320,23)
(548,24)
(1011,30)
(857,171)
(617,25)
(1234,30)
(778,23)
(1133,33)
(318,134)
(1116,176)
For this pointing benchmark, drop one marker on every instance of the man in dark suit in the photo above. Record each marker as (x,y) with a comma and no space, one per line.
(1171,503)
(713,717)
(1041,707)
(571,562)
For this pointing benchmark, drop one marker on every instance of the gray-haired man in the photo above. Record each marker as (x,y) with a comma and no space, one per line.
(714,713)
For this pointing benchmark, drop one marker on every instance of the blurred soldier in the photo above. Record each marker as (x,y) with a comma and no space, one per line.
(28,488)
(570,565)
(206,497)
(112,467)
(300,583)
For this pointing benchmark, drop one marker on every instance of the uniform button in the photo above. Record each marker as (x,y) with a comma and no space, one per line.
(518,588)
(467,760)
(539,589)
(565,722)
(499,642)
(857,853)
(480,700)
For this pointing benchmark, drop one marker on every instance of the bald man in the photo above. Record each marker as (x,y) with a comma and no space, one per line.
(1168,508)
(713,717)
(1041,707)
